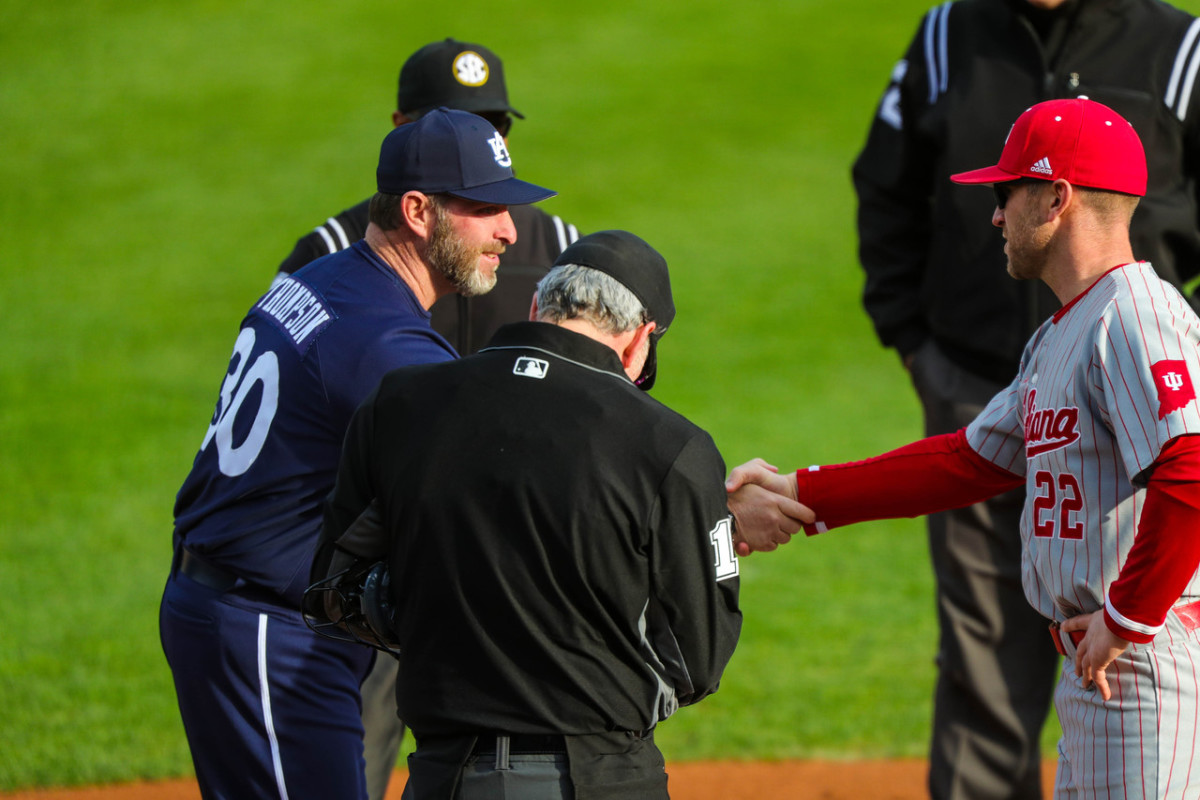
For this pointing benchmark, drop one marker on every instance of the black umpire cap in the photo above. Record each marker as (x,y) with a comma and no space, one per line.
(456,74)
(639,268)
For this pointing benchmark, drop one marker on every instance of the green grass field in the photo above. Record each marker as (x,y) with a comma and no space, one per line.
(186,145)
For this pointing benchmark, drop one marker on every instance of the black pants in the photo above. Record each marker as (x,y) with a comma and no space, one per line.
(606,766)
(997,665)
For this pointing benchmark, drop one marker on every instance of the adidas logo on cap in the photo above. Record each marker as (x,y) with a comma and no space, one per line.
(1089,144)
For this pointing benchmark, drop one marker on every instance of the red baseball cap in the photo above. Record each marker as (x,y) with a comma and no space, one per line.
(1079,140)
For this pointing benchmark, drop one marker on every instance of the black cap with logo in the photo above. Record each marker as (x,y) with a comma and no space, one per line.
(639,268)
(456,74)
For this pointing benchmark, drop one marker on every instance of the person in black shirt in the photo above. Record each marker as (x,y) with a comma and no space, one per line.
(559,548)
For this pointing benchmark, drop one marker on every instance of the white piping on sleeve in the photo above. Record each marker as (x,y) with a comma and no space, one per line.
(1181,58)
(343,239)
(560,229)
(1125,622)
(329,243)
(936,47)
(1185,97)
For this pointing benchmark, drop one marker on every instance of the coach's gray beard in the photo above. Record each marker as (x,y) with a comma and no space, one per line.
(451,257)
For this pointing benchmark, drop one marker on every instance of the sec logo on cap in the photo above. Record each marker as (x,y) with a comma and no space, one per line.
(470,69)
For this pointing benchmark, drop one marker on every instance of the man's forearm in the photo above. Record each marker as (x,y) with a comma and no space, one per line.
(929,475)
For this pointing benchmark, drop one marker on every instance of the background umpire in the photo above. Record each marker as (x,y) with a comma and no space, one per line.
(559,544)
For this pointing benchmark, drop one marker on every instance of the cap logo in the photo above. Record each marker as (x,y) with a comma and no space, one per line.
(500,150)
(1042,166)
(470,69)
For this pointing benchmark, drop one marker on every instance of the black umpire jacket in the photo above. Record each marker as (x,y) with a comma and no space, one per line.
(559,541)
(935,265)
(466,322)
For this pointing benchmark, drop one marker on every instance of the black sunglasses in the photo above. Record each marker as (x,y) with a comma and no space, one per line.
(501,121)
(1005,190)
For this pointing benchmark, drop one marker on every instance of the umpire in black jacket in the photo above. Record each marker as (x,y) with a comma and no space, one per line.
(559,546)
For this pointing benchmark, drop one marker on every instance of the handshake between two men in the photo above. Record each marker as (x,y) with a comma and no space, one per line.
(764,507)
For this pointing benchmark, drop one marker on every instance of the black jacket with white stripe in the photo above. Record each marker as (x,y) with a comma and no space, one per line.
(935,265)
(466,322)
(560,550)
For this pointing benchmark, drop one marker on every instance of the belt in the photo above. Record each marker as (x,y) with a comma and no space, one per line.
(1189,615)
(1056,635)
(205,573)
(527,743)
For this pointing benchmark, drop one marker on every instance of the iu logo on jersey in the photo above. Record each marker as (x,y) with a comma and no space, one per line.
(1048,429)
(1174,385)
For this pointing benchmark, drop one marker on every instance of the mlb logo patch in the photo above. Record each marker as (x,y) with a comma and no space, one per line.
(531,367)
(1174,384)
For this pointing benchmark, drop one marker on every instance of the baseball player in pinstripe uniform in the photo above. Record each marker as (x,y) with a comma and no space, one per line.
(936,292)
(1099,426)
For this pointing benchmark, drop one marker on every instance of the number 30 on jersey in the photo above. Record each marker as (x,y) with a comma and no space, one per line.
(234,459)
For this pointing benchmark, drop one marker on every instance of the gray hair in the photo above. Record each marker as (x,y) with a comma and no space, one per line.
(571,291)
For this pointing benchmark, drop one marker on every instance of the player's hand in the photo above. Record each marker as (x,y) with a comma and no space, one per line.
(1096,650)
(764,505)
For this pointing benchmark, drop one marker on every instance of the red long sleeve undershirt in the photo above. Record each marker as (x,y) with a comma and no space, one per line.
(943,472)
(927,476)
(1166,550)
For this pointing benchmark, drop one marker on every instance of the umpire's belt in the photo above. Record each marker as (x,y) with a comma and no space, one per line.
(205,573)
(526,743)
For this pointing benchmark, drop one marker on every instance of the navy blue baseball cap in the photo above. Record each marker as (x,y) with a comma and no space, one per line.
(453,152)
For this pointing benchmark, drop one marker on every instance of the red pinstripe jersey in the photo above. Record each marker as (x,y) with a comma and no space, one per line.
(1103,386)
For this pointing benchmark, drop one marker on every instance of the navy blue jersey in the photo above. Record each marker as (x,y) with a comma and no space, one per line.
(309,351)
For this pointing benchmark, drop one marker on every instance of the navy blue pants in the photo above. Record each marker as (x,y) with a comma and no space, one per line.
(271,710)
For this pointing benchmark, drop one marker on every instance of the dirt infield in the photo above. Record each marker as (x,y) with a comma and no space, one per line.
(794,780)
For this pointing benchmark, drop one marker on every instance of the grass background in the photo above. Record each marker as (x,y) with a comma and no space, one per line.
(159,160)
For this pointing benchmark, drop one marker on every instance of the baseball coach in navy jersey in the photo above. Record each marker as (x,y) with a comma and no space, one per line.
(271,709)
(469,77)
(560,552)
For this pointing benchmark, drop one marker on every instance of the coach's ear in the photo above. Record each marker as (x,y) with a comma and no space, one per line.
(533,309)
(416,211)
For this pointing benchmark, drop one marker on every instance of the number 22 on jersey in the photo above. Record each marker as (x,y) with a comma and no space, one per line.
(1057,505)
